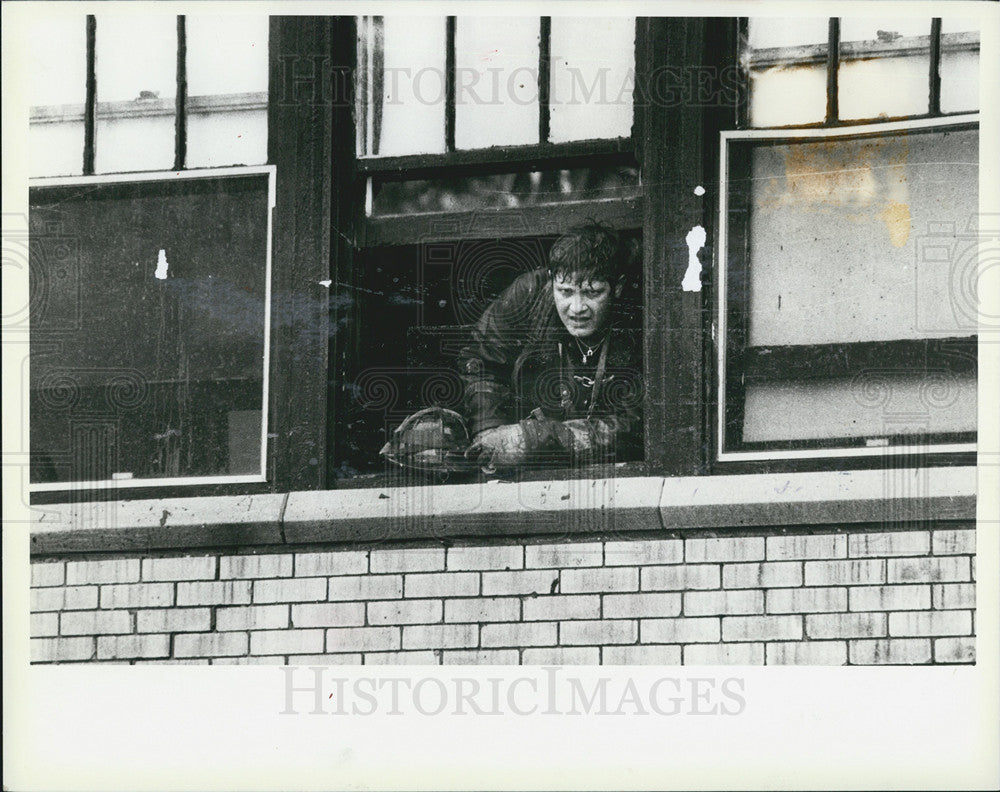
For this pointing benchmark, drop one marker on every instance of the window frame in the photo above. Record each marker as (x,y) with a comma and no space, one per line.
(725,312)
(186,482)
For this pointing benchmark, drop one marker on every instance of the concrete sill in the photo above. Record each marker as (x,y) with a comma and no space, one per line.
(555,508)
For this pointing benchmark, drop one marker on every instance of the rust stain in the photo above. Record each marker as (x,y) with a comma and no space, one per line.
(896,217)
(859,181)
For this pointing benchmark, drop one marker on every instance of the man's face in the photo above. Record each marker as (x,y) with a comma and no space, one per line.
(584,307)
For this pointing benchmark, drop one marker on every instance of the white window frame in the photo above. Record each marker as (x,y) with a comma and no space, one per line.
(174,176)
(800,135)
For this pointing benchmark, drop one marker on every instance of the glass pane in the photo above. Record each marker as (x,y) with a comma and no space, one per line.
(496,84)
(506,190)
(959,65)
(877,213)
(884,67)
(226,54)
(136,90)
(227,90)
(57,73)
(403,109)
(786,60)
(227,137)
(875,404)
(592,71)
(147,344)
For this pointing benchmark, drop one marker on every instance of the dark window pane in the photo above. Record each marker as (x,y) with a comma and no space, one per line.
(148,328)
(504,191)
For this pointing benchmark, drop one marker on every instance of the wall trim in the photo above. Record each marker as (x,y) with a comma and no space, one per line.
(511,510)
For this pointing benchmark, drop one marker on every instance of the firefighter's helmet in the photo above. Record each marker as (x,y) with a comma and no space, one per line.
(432,440)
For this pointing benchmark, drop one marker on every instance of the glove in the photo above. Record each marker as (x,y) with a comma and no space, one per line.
(501,446)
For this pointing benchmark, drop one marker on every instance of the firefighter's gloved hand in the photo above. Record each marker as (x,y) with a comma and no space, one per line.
(501,446)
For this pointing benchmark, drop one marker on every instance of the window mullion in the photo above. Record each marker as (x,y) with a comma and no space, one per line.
(90,106)
(934,91)
(449,71)
(180,133)
(544,70)
(833,72)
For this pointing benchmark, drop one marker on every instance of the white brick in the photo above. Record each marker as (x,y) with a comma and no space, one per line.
(366,587)
(942,569)
(729,548)
(347,562)
(441,584)
(252,617)
(117,570)
(271,660)
(220,592)
(890,543)
(255,566)
(614,579)
(570,554)
(59,650)
(675,631)
(295,590)
(405,612)
(282,642)
(518,634)
(482,609)
(71,598)
(827,653)
(806,546)
(854,572)
(762,575)
(724,654)
(930,623)
(761,628)
(563,656)
(890,651)
(644,553)
(805,600)
(121,647)
(440,636)
(408,560)
(955,542)
(187,568)
(169,661)
(95,622)
(329,614)
(954,596)
(174,620)
(641,655)
(600,633)
(526,582)
(618,606)
(421,657)
(138,595)
(48,574)
(476,558)
(363,639)
(210,644)
(886,598)
(717,603)
(43,625)
(846,625)
(955,650)
(558,607)
(344,658)
(480,657)
(681,578)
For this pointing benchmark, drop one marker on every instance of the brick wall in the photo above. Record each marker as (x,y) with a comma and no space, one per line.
(848,597)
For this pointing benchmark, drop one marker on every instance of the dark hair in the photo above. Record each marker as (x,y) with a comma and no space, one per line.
(591,252)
